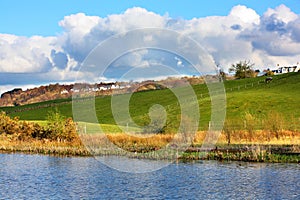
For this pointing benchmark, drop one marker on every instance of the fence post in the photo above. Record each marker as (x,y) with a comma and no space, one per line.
(84,128)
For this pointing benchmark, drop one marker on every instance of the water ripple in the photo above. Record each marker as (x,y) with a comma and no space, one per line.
(46,177)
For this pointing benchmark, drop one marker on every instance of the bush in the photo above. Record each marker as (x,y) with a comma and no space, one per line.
(250,123)
(39,132)
(228,129)
(274,124)
(7,125)
(60,128)
(21,130)
(157,118)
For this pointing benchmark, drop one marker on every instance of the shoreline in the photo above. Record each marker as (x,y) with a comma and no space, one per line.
(239,152)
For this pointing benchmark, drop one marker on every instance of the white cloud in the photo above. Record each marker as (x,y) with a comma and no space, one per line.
(277,35)
(79,24)
(245,14)
(282,13)
(269,39)
(133,18)
(179,62)
(22,54)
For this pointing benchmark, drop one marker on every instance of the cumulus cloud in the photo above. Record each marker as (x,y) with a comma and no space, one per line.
(282,12)
(246,15)
(74,39)
(22,54)
(277,33)
(294,28)
(266,40)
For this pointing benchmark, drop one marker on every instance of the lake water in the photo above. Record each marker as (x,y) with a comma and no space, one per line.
(46,177)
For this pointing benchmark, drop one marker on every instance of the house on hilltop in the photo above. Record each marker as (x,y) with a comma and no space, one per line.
(287,69)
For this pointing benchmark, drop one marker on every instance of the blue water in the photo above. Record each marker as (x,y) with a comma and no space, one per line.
(46,177)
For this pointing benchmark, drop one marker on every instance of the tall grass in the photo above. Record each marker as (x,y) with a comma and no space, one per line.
(59,136)
(273,127)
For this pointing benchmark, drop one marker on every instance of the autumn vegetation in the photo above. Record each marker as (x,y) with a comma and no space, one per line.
(260,115)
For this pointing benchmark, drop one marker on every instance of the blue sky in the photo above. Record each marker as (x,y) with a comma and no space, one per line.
(46,41)
(36,17)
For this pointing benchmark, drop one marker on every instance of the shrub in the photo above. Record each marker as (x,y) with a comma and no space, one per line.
(7,125)
(39,132)
(25,131)
(60,128)
(158,119)
(250,123)
(228,130)
(274,124)
(20,130)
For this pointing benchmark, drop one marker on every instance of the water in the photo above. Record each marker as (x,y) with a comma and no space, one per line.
(46,177)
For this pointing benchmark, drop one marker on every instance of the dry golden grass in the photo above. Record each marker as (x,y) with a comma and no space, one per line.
(133,143)
(10,144)
(157,141)
(137,143)
(262,137)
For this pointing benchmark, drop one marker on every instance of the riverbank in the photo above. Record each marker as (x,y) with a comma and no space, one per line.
(45,147)
(235,152)
(247,153)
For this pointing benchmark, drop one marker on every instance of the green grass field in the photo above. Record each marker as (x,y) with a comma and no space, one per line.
(250,95)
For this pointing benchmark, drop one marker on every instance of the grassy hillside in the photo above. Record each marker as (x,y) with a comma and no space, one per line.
(252,96)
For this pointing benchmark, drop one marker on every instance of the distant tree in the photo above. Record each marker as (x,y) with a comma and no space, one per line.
(242,69)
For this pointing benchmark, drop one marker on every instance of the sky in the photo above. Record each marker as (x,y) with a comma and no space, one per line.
(47,41)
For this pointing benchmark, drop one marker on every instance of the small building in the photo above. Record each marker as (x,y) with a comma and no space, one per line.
(64,91)
(286,69)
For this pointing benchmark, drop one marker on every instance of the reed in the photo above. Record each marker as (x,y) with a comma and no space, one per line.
(59,137)
(10,145)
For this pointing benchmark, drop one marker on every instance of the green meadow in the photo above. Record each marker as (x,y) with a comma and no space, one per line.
(251,95)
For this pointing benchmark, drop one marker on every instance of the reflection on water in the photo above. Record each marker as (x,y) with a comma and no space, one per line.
(132,165)
(44,177)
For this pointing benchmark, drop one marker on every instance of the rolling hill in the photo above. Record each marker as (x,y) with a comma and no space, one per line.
(251,95)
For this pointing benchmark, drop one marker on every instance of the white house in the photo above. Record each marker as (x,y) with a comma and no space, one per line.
(287,69)
(64,91)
